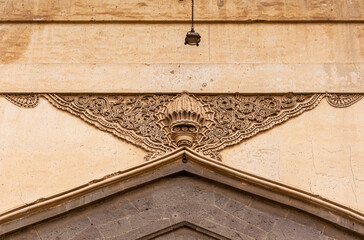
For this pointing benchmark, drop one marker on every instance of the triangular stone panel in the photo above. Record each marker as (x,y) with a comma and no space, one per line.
(181,190)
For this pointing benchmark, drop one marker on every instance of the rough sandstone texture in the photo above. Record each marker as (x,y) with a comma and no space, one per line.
(51,151)
(320,151)
(44,151)
(179,10)
(203,205)
(146,57)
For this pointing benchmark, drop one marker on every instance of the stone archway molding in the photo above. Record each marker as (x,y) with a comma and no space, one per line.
(187,161)
(184,224)
(161,123)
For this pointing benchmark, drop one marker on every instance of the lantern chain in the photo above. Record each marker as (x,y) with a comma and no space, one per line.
(192,12)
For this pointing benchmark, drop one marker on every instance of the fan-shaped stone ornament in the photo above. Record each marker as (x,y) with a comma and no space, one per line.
(23,100)
(343,100)
(160,123)
(185,120)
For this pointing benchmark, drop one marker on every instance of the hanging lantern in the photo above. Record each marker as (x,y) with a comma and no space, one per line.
(192,37)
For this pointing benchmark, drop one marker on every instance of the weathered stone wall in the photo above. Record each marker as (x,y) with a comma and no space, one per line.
(148,57)
(203,205)
(178,10)
(320,151)
(137,46)
(44,151)
(50,151)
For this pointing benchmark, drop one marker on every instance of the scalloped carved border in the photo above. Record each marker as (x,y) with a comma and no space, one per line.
(218,121)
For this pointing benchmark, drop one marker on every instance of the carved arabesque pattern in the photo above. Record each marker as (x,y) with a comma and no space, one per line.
(132,118)
(241,117)
(23,100)
(141,119)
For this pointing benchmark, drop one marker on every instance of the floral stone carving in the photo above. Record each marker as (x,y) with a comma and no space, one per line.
(160,123)
(23,100)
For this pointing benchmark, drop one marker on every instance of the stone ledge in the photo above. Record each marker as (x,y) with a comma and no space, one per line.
(175,10)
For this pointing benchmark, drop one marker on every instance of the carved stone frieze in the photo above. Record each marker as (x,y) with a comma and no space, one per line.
(185,119)
(343,100)
(240,117)
(23,100)
(132,118)
(160,123)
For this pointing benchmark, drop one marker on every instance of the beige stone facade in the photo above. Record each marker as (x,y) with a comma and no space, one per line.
(232,57)
(126,48)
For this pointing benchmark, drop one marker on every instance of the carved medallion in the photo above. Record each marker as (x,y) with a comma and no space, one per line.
(160,123)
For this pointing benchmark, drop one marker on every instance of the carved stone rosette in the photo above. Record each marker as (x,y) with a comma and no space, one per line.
(160,123)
